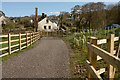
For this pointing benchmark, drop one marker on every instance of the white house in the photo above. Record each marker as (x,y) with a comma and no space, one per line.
(2,22)
(47,25)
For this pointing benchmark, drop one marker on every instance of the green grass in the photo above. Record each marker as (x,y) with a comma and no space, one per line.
(77,59)
(79,55)
(5,58)
(12,43)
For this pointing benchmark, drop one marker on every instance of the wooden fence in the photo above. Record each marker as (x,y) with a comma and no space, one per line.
(81,41)
(16,31)
(96,54)
(54,33)
(16,42)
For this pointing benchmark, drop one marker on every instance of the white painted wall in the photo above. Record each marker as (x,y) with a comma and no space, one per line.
(1,19)
(43,23)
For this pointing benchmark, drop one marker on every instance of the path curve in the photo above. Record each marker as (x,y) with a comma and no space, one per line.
(49,58)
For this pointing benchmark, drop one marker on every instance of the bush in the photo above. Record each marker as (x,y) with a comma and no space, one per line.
(117,30)
(26,23)
(9,26)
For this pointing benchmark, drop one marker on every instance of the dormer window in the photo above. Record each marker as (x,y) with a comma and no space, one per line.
(47,21)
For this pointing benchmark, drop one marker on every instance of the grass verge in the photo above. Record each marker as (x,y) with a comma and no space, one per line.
(5,58)
(77,58)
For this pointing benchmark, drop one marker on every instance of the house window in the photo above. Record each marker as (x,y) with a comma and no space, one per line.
(49,27)
(45,27)
(47,21)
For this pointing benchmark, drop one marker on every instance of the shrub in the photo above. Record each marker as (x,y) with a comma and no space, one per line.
(9,26)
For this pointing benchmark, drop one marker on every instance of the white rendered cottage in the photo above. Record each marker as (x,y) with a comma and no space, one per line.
(2,22)
(47,25)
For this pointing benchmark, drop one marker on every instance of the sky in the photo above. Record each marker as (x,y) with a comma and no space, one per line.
(17,9)
(60,0)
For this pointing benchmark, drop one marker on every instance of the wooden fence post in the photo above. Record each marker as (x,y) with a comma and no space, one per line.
(34,36)
(89,56)
(20,41)
(62,33)
(56,33)
(94,55)
(30,38)
(47,33)
(110,49)
(59,34)
(39,35)
(43,33)
(9,43)
(51,34)
(26,39)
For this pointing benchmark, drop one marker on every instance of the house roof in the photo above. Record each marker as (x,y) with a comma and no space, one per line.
(1,14)
(53,21)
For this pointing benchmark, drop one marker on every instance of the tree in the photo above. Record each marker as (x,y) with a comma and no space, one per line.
(2,14)
(92,13)
(26,22)
(9,25)
(64,20)
(43,16)
(112,14)
(77,17)
(119,12)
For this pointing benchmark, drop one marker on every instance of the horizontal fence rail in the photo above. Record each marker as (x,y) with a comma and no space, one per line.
(16,42)
(95,53)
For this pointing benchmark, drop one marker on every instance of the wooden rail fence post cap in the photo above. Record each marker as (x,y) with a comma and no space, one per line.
(93,38)
(111,35)
(95,41)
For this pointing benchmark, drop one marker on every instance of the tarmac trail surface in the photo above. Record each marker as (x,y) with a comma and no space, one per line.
(48,58)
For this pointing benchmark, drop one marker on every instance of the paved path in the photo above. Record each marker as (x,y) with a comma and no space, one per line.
(47,59)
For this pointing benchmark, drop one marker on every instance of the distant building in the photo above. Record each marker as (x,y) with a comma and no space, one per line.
(2,22)
(47,25)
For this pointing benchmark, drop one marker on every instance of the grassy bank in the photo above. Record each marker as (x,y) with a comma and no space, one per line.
(78,55)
